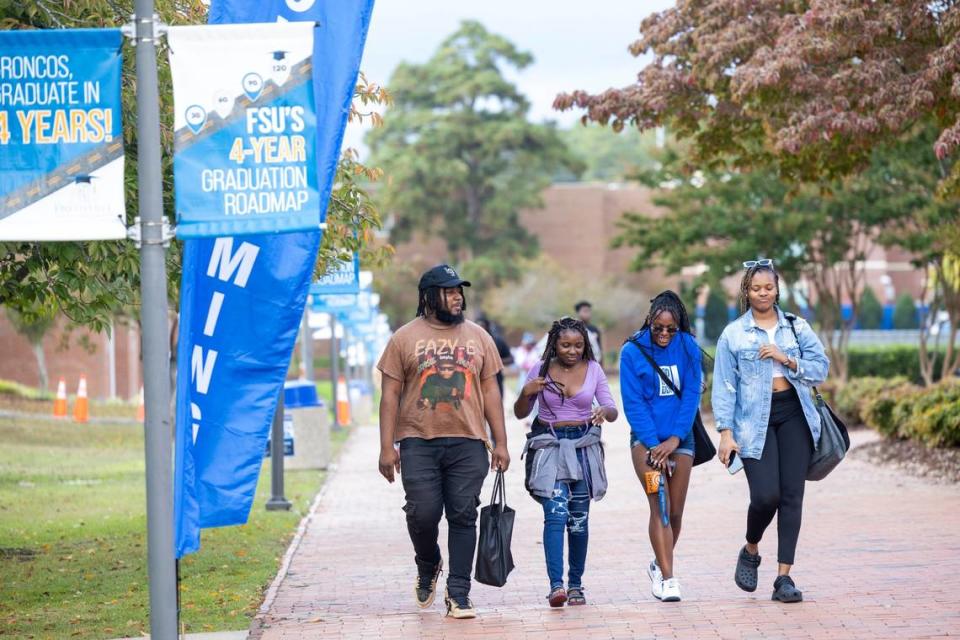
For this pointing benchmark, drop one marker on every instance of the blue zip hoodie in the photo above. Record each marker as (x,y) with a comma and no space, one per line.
(652,409)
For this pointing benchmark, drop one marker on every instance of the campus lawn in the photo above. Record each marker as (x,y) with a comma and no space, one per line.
(73,537)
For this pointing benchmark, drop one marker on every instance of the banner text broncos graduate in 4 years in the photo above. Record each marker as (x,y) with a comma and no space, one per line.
(61,139)
(242,298)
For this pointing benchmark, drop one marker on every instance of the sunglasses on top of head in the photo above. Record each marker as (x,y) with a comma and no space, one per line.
(765,262)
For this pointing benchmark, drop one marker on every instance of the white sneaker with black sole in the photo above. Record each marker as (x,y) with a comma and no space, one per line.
(670,590)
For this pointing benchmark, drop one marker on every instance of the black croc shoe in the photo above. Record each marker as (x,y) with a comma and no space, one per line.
(784,590)
(746,574)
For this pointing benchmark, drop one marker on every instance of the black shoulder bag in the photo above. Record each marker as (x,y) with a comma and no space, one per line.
(834,439)
(703,449)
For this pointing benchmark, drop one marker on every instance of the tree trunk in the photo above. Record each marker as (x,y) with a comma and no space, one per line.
(41,365)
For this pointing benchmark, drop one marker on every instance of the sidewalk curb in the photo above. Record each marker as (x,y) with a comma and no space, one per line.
(257,624)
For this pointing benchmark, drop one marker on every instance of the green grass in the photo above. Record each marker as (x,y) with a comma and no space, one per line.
(73,542)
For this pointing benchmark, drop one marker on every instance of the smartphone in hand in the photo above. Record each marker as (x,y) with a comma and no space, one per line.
(734,464)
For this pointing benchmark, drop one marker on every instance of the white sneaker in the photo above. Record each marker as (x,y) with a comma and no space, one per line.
(657,589)
(670,591)
(653,571)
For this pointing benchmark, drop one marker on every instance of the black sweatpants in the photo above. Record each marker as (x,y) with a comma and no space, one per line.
(443,475)
(777,479)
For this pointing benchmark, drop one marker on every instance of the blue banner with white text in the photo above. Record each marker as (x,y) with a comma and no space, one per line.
(61,139)
(242,298)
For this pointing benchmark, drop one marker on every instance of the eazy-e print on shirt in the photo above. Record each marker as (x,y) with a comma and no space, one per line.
(441,368)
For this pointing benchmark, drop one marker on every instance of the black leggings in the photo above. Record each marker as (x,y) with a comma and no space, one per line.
(777,479)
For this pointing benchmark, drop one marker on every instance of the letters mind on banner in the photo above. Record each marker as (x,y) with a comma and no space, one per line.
(61,138)
(245,124)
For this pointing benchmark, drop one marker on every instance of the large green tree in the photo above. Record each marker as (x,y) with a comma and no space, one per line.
(818,235)
(91,282)
(460,155)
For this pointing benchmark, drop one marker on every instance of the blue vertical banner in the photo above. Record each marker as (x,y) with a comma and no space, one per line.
(341,278)
(242,298)
(245,130)
(61,138)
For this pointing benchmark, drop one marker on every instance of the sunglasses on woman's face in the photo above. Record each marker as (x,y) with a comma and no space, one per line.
(766,262)
(659,328)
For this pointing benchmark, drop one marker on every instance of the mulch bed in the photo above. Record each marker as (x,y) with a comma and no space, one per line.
(941,466)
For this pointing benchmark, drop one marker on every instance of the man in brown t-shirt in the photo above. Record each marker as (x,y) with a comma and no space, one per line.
(439,391)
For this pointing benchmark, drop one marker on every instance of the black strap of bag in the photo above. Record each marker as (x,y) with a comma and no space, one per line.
(703,446)
(656,367)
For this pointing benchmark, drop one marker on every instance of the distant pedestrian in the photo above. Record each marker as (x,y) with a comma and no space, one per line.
(525,355)
(506,356)
(765,414)
(585,313)
(661,416)
(439,390)
(564,457)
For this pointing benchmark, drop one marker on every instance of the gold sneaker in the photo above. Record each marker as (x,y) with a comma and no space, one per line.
(460,608)
(425,588)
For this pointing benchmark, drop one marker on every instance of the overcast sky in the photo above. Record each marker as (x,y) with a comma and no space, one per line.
(575,44)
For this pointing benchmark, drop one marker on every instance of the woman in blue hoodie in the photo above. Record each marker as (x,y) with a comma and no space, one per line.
(661,421)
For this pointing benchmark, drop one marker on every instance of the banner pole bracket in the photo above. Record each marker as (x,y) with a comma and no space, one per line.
(135,233)
(144,30)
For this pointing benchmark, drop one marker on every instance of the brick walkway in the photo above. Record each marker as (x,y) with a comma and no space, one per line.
(879,557)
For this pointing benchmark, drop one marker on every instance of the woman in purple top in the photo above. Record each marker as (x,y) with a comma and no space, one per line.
(565,383)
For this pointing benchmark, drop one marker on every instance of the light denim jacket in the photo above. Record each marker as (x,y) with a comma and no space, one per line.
(743,383)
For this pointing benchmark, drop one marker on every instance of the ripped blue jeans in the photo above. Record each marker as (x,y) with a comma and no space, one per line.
(568,510)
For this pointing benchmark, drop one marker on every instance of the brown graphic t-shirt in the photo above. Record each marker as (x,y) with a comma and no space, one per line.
(440,367)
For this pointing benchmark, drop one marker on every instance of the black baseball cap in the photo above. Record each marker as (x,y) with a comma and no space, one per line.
(442,275)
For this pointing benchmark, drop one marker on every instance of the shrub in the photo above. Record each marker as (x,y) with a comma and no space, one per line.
(881,412)
(932,415)
(905,313)
(850,399)
(870,313)
(15,389)
(888,361)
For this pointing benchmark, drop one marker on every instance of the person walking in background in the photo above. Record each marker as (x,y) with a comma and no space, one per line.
(438,392)
(660,385)
(564,457)
(585,313)
(525,355)
(766,362)
(506,356)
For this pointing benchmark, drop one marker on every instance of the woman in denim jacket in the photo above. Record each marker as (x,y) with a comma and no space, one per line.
(765,414)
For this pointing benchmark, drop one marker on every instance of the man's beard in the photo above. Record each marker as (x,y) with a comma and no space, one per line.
(446,317)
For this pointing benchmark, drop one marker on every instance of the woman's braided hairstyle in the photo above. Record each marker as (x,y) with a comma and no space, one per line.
(565,323)
(744,296)
(669,301)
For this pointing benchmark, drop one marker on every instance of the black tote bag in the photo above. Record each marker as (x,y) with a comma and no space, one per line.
(834,439)
(494,560)
(703,449)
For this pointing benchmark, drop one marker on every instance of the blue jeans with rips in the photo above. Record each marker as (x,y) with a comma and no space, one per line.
(567,510)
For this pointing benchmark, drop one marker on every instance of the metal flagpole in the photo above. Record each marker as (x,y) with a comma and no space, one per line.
(334,367)
(153,235)
(306,345)
(277,500)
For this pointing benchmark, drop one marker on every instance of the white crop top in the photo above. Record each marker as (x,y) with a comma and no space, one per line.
(778,371)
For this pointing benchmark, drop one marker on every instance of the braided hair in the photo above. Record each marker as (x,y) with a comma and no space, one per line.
(669,301)
(565,323)
(744,295)
(430,301)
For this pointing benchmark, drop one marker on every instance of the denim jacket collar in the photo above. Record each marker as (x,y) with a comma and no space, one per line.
(749,323)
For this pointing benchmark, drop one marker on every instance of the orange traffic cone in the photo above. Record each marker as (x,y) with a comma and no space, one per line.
(81,410)
(60,404)
(141,410)
(343,402)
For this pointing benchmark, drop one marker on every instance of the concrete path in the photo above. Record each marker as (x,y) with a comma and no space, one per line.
(879,557)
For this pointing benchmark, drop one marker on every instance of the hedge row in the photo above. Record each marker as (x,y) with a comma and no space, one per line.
(897,408)
(889,361)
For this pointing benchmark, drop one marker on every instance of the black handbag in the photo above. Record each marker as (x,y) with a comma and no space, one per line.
(703,449)
(834,439)
(494,560)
